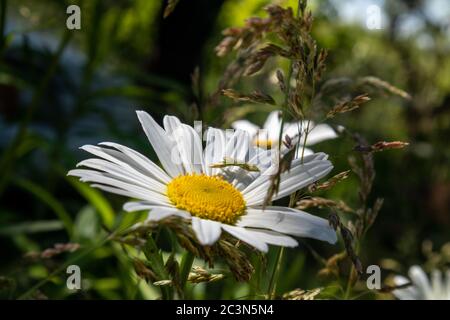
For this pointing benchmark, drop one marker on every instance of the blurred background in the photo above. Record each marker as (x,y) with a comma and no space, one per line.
(60,89)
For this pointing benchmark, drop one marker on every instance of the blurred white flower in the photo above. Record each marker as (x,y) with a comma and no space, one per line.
(268,136)
(422,288)
(213,199)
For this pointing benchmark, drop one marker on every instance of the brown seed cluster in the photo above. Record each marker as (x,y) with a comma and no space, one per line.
(57,249)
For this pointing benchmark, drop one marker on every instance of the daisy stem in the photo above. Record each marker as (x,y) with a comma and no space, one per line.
(351,278)
(348,289)
(185,268)
(255,284)
(271,292)
(277,267)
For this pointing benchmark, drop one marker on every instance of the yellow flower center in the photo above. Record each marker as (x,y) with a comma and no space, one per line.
(207,197)
(263,143)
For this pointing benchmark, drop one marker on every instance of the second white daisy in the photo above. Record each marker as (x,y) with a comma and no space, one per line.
(421,288)
(269,135)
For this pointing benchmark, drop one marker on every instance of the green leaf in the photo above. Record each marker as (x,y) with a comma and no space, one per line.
(87,227)
(156,261)
(154,257)
(127,219)
(95,198)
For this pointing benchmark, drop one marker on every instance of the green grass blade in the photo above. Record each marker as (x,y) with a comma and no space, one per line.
(31,227)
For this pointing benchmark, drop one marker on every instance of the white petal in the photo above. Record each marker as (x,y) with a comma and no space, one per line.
(188,144)
(247,237)
(141,160)
(140,205)
(239,149)
(238,177)
(207,231)
(214,150)
(319,133)
(264,159)
(159,213)
(107,179)
(300,175)
(306,152)
(116,191)
(126,163)
(273,237)
(289,221)
(437,284)
(420,280)
(238,146)
(125,174)
(111,155)
(161,143)
(400,280)
(407,293)
(246,125)
(273,123)
(268,161)
(294,130)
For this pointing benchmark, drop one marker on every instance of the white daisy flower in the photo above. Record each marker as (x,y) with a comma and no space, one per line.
(269,135)
(422,288)
(213,199)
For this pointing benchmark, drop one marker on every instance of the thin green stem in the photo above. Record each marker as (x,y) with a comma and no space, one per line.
(271,292)
(349,287)
(350,281)
(255,284)
(185,269)
(304,141)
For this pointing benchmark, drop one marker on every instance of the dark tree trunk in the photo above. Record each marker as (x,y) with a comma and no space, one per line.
(181,39)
